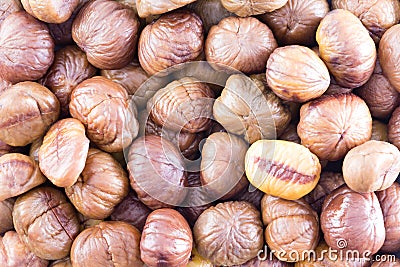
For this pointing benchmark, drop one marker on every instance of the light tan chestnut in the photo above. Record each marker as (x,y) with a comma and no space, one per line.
(372,166)
(281,168)
(296,73)
(250,7)
(63,153)
(146,8)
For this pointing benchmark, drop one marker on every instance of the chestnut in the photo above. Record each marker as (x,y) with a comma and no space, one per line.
(6,220)
(388,52)
(51,11)
(379,131)
(252,7)
(147,8)
(8,7)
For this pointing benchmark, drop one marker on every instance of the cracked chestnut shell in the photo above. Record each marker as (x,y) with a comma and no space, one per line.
(362,176)
(37,109)
(252,7)
(297,21)
(224,44)
(174,38)
(105,109)
(156,172)
(295,73)
(26,48)
(19,174)
(394,128)
(346,48)
(107,32)
(163,231)
(219,233)
(8,7)
(100,187)
(63,152)
(183,105)
(147,8)
(379,131)
(6,220)
(355,218)
(70,68)
(376,16)
(291,225)
(333,124)
(51,11)
(248,107)
(389,200)
(46,222)
(389,52)
(13,252)
(107,244)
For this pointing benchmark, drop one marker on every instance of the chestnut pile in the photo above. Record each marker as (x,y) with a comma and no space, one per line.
(199,133)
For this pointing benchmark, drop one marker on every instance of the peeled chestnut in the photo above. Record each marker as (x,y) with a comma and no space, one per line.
(146,8)
(250,7)
(51,11)
(388,53)
(394,128)
(290,134)
(6,220)
(379,131)
(8,7)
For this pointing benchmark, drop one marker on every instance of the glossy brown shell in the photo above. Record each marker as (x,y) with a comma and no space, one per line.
(8,7)
(332,125)
(51,11)
(220,235)
(156,171)
(353,218)
(394,128)
(147,8)
(296,73)
(104,108)
(107,32)
(37,109)
(224,44)
(70,68)
(100,187)
(346,48)
(26,48)
(252,7)
(174,38)
(51,220)
(163,231)
(291,225)
(297,21)
(19,174)
(389,54)
(6,220)
(107,244)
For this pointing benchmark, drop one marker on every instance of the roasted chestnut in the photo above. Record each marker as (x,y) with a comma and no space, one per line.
(52,11)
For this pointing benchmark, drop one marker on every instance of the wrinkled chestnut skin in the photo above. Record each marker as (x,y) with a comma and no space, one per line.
(333,124)
(377,16)
(222,165)
(14,253)
(252,7)
(26,48)
(295,73)
(37,109)
(147,8)
(104,108)
(388,263)
(219,234)
(8,7)
(267,262)
(70,68)
(389,200)
(327,183)
(346,48)
(362,176)
(107,32)
(63,152)
(174,38)
(380,96)
(100,187)
(66,262)
(297,21)
(107,244)
(379,131)
(183,105)
(223,44)
(6,220)
(291,225)
(51,11)
(156,172)
(248,107)
(394,128)
(290,134)
(353,217)
(166,239)
(132,211)
(388,55)
(19,173)
(51,220)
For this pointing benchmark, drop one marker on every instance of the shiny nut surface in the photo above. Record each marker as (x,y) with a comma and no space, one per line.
(394,128)
(379,131)
(362,176)
(296,73)
(6,220)
(163,231)
(219,234)
(46,222)
(346,48)
(8,7)
(63,152)
(107,244)
(332,125)
(52,11)
(250,7)
(282,168)
(388,53)
(146,8)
